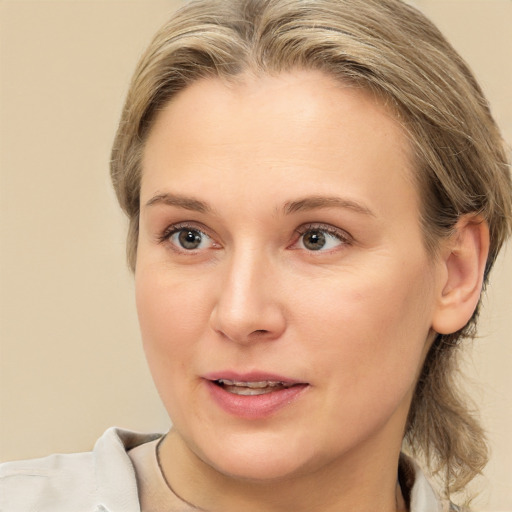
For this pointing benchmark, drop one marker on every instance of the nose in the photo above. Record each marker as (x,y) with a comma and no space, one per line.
(248,306)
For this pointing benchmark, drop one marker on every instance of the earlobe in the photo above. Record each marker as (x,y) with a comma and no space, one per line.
(463,259)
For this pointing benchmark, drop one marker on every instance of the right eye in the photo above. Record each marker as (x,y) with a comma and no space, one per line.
(189,239)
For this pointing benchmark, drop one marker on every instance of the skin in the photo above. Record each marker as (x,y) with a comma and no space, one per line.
(353,320)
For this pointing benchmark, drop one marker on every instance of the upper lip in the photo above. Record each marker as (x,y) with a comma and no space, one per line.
(253,376)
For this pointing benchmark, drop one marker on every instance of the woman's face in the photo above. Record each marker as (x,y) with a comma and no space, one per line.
(284,293)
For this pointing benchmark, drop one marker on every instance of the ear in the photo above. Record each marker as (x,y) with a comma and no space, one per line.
(463,260)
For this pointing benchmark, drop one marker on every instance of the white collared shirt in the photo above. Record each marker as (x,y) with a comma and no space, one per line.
(104,480)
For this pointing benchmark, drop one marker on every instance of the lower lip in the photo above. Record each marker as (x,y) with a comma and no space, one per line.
(254,406)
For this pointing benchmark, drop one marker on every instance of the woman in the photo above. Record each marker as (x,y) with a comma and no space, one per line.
(317,193)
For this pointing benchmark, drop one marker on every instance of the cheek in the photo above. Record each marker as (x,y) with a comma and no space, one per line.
(168,306)
(172,317)
(371,329)
(369,353)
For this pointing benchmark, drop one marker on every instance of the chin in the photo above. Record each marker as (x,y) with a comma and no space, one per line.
(264,471)
(256,459)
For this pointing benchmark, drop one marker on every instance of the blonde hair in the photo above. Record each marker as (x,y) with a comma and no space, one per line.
(390,48)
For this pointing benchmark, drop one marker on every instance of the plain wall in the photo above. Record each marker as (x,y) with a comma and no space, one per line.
(71,363)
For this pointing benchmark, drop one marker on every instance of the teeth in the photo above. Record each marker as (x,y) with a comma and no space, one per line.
(255,385)
(252,388)
(239,390)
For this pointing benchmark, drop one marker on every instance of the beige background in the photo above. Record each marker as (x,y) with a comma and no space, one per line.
(70,358)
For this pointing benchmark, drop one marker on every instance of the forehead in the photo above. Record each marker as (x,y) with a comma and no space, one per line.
(302,129)
(310,99)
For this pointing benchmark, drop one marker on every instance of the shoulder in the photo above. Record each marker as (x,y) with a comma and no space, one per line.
(98,481)
(39,484)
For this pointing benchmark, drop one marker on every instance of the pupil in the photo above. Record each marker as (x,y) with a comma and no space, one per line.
(314,240)
(189,239)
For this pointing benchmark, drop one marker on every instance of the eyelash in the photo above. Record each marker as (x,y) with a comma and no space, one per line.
(171,230)
(342,236)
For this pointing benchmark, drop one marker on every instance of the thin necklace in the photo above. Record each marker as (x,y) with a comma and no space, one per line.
(157,450)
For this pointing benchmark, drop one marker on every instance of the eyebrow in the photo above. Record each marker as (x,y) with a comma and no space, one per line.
(305,204)
(314,202)
(188,203)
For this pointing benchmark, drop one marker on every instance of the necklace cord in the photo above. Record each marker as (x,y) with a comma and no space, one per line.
(160,467)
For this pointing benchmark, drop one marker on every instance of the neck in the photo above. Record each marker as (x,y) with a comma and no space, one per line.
(345,484)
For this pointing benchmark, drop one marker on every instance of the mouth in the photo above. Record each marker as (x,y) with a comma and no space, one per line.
(253,395)
(252,388)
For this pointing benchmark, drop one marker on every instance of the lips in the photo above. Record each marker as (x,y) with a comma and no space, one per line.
(255,395)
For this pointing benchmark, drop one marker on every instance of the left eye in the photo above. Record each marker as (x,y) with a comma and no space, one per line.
(320,239)
(190,239)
